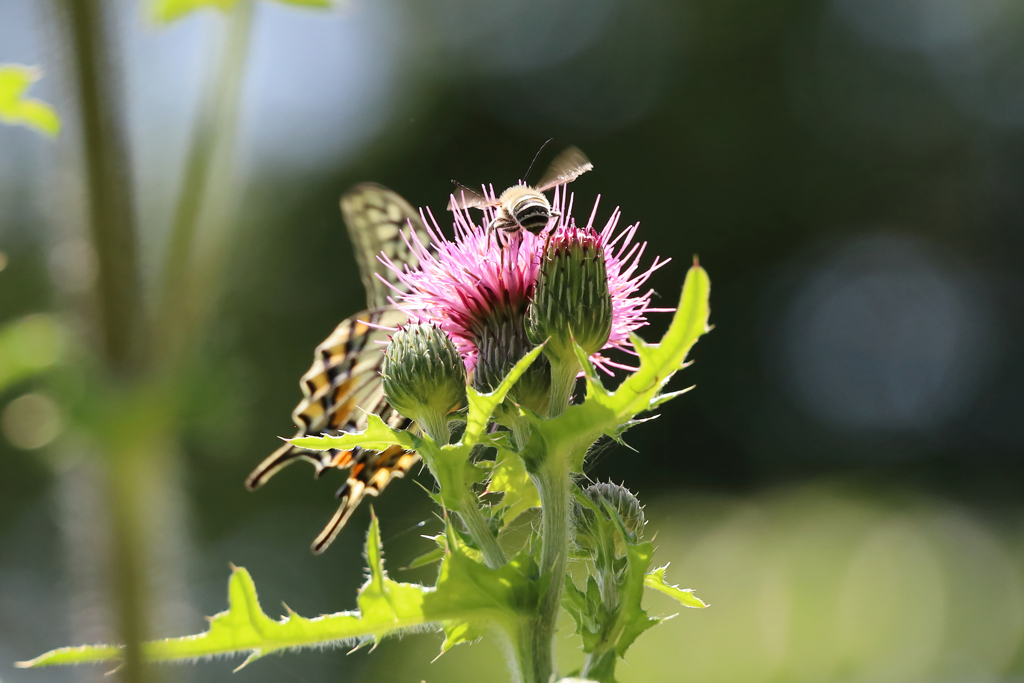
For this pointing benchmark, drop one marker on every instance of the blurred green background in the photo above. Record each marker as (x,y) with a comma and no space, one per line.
(843,486)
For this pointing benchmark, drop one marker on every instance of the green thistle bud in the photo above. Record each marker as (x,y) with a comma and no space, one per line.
(571,301)
(424,377)
(592,532)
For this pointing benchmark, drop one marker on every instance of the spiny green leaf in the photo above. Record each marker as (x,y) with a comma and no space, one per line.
(684,596)
(633,619)
(377,437)
(507,595)
(435,555)
(482,406)
(509,475)
(467,592)
(18,110)
(605,412)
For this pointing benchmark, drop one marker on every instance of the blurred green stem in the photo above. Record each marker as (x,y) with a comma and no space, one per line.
(212,135)
(121,318)
(108,183)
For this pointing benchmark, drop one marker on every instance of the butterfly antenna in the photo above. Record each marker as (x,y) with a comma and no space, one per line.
(535,157)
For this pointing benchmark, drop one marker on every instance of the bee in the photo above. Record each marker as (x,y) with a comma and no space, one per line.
(524,207)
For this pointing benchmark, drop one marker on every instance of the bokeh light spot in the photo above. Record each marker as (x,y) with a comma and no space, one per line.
(884,337)
(31,421)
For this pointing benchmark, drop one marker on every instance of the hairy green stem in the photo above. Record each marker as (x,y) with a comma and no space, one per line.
(555,488)
(520,427)
(519,652)
(436,427)
(213,132)
(563,381)
(480,531)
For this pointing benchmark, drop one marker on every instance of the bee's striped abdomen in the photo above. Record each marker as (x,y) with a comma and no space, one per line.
(531,211)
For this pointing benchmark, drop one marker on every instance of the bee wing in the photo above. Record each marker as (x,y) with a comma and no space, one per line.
(569,165)
(466,198)
(376,219)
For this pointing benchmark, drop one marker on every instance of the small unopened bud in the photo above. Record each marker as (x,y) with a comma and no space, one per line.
(571,301)
(424,377)
(592,533)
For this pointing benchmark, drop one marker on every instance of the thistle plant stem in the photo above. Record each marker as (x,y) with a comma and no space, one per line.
(480,531)
(520,427)
(554,485)
(436,427)
(563,381)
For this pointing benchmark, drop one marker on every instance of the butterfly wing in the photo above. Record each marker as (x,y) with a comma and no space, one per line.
(343,385)
(569,165)
(376,217)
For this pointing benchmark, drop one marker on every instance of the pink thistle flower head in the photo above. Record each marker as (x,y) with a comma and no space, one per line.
(478,287)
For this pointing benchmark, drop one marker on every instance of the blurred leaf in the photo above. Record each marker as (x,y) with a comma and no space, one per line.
(509,475)
(29,346)
(468,598)
(166,11)
(307,3)
(18,110)
(684,596)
